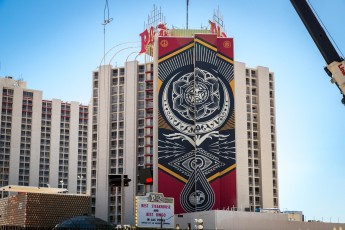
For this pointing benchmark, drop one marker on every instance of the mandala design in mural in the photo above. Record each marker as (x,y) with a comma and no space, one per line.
(195,96)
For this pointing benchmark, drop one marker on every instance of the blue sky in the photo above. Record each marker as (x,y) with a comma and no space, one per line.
(55,45)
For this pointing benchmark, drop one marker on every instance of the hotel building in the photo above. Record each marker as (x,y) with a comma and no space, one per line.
(124,137)
(256,155)
(42,142)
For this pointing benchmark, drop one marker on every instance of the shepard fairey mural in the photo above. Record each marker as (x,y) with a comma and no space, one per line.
(196,122)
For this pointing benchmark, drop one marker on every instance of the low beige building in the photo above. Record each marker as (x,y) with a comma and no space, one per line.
(238,220)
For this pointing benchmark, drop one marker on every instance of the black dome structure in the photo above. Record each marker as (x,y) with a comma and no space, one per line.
(84,222)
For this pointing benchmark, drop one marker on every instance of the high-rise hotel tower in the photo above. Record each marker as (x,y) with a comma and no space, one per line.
(125,137)
(42,142)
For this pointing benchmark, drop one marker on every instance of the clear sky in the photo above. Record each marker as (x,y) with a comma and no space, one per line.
(55,45)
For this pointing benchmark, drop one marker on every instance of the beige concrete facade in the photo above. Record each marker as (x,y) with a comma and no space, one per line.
(122,137)
(43,142)
(256,156)
(238,220)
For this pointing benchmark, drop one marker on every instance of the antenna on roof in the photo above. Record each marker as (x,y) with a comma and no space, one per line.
(106,21)
(187,14)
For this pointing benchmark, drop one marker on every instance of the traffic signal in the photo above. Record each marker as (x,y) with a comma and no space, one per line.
(145,176)
(116,180)
(199,223)
(126,180)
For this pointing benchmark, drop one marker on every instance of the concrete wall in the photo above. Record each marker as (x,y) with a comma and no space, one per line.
(233,220)
(55,143)
(241,136)
(103,131)
(16,135)
(131,83)
(73,148)
(35,137)
(265,137)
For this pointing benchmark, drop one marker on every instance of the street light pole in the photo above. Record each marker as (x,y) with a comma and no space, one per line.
(80,182)
(163,220)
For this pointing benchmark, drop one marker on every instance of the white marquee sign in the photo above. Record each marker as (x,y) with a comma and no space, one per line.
(154,211)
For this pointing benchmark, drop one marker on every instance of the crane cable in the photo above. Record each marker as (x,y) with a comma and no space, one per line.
(323,25)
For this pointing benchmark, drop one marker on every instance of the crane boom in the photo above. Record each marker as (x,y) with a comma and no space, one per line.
(316,31)
(335,63)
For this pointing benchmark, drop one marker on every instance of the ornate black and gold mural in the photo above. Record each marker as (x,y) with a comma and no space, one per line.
(196,136)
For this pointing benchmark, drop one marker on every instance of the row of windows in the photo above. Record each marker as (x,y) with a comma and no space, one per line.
(253,74)
(116,81)
(7,92)
(27,108)
(26,114)
(25,146)
(27,94)
(7,105)
(26,126)
(6,112)
(65,107)
(6,125)
(114,135)
(117,89)
(7,99)
(5,118)
(65,113)
(116,71)
(253,91)
(252,82)
(46,105)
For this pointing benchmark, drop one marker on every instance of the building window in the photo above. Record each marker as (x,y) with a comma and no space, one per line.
(247,72)
(27,94)
(141,68)
(115,72)
(141,77)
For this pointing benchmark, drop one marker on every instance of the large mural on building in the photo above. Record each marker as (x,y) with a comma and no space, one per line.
(196,122)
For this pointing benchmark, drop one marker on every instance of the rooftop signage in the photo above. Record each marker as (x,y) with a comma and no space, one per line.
(156,26)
